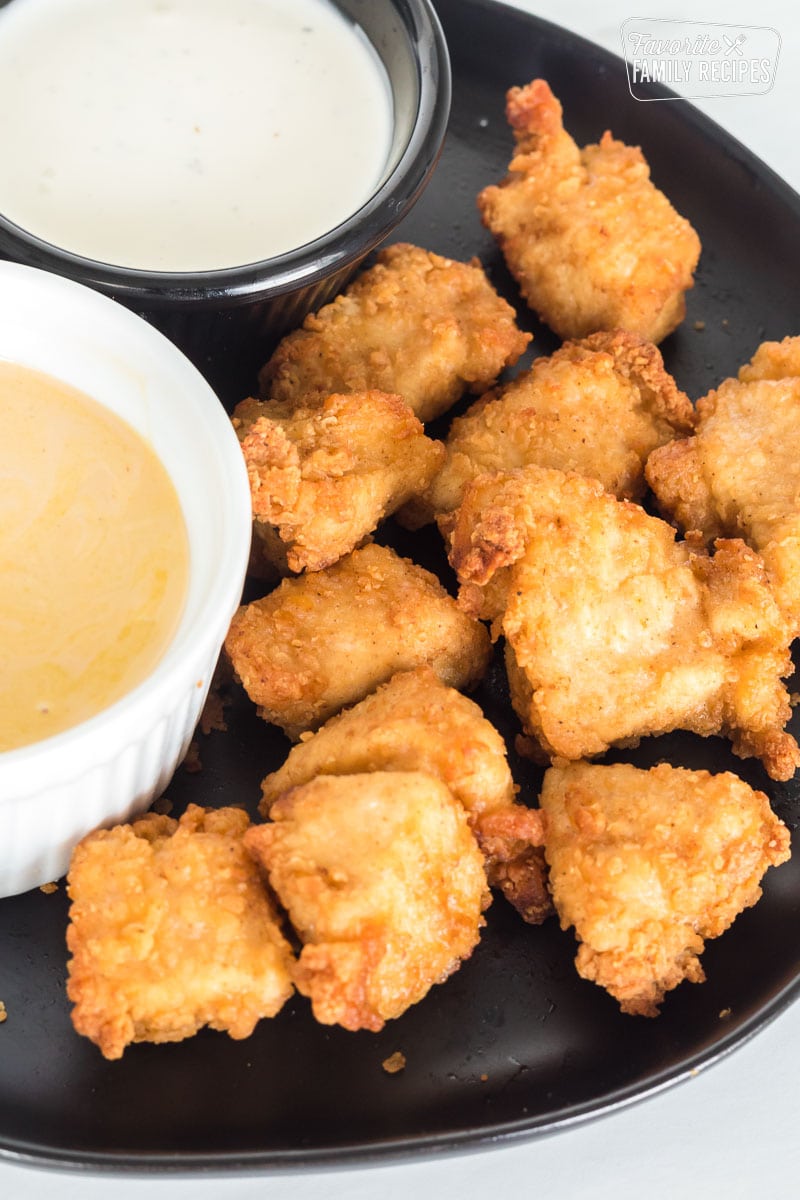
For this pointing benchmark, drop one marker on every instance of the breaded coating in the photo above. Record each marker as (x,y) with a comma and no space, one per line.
(325,640)
(416,723)
(597,406)
(613,629)
(773,360)
(384,883)
(591,241)
(415,323)
(171,928)
(647,865)
(739,475)
(325,476)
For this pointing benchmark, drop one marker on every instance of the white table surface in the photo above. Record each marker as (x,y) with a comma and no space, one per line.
(732,1131)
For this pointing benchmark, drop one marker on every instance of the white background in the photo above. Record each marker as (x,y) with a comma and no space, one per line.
(732,1132)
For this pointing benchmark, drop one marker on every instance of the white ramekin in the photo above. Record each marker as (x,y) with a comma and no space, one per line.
(108,768)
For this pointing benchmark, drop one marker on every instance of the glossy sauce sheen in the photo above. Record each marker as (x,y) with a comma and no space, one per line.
(93,557)
(186,135)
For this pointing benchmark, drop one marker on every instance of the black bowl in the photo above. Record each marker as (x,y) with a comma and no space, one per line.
(228,321)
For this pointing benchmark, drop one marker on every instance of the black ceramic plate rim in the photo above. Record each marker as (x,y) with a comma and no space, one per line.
(504,1133)
(384,1152)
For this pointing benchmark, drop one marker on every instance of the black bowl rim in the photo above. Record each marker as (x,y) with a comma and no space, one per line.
(345,244)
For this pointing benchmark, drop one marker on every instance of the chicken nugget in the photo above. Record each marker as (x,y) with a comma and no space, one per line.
(327,639)
(739,475)
(647,865)
(613,629)
(324,476)
(384,883)
(773,360)
(416,723)
(591,241)
(597,406)
(171,928)
(415,324)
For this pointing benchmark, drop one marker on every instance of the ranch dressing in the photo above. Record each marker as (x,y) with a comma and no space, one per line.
(186,135)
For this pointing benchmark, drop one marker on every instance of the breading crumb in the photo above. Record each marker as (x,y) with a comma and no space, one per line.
(699,326)
(3,1013)
(192,762)
(49,888)
(394,1063)
(213,714)
(162,805)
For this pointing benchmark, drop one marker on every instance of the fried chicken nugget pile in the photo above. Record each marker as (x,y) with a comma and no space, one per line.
(598,406)
(739,475)
(591,241)
(416,723)
(415,323)
(383,881)
(647,865)
(327,639)
(171,929)
(613,629)
(324,476)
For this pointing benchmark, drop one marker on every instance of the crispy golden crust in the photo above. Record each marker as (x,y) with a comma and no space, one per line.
(416,723)
(646,865)
(675,474)
(171,928)
(512,840)
(739,475)
(773,360)
(383,882)
(415,324)
(598,406)
(613,629)
(327,639)
(325,475)
(590,239)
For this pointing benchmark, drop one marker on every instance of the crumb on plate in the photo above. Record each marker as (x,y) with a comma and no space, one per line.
(394,1063)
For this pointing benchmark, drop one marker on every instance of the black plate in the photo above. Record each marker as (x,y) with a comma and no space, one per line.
(514,1044)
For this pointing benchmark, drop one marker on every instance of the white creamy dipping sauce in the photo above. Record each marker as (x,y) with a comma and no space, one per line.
(187,135)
